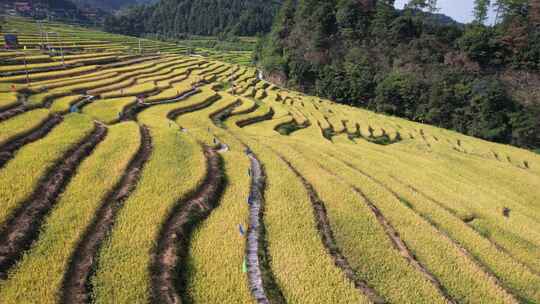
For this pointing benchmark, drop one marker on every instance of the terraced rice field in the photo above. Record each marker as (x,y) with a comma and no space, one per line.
(164,178)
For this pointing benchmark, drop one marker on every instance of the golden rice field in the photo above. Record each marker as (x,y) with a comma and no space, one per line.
(158,177)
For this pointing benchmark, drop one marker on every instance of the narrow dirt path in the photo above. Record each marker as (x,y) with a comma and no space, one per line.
(467,221)
(86,100)
(175,113)
(219,117)
(259,274)
(76,283)
(131,111)
(169,261)
(411,258)
(9,113)
(325,230)
(8,150)
(393,234)
(400,246)
(24,226)
(249,121)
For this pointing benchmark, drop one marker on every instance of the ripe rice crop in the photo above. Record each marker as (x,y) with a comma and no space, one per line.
(63,104)
(44,266)
(7,100)
(21,175)
(174,169)
(108,110)
(21,124)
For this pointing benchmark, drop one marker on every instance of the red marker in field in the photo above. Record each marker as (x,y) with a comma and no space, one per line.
(13,88)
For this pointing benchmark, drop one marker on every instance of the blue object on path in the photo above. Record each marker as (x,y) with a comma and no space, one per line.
(241,229)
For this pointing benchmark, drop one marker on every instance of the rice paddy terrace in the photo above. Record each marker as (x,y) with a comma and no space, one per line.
(164,178)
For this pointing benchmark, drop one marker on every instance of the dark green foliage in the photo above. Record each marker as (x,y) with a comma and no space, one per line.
(289,128)
(481,10)
(109,4)
(173,18)
(64,10)
(131,22)
(399,94)
(53,4)
(352,82)
(488,111)
(526,128)
(405,28)
(219,44)
(410,63)
(480,43)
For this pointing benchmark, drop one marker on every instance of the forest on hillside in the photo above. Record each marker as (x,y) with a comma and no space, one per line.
(480,80)
(176,18)
(53,4)
(109,5)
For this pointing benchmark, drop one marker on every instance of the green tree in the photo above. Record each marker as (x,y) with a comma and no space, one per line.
(489,111)
(482,45)
(526,127)
(200,17)
(351,82)
(506,9)
(399,94)
(429,5)
(413,64)
(481,10)
(384,14)
(269,52)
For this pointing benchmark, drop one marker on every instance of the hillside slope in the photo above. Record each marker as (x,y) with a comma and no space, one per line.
(142,175)
(172,18)
(109,5)
(54,4)
(478,80)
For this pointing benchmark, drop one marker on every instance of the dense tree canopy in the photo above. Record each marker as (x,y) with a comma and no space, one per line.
(408,63)
(171,18)
(109,4)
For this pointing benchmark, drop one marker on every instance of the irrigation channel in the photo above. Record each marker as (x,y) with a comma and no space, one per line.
(256,202)
(262,283)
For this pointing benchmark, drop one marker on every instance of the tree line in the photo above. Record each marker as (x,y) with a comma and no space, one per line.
(177,18)
(476,79)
